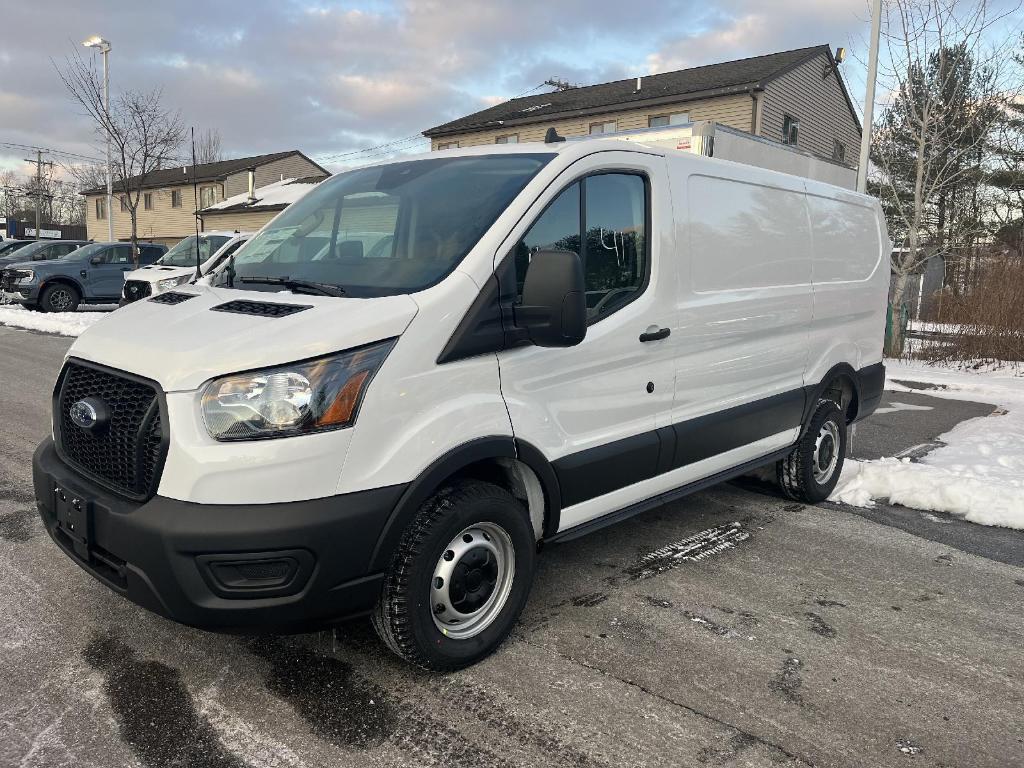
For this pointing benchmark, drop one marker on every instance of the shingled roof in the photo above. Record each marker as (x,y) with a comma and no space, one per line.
(669,87)
(170,177)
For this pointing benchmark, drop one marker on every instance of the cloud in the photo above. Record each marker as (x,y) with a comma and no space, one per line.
(334,77)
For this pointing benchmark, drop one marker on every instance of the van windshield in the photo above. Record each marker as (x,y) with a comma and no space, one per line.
(384,230)
(183,254)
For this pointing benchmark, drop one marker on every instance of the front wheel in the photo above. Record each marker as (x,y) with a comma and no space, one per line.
(59,298)
(460,577)
(811,471)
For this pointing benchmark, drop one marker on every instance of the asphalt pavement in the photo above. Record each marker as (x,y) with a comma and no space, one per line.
(801,636)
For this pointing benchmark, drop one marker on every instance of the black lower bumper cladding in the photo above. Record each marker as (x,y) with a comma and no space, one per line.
(283,567)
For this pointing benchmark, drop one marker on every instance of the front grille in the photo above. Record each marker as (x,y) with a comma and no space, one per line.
(136,289)
(9,278)
(126,454)
(260,308)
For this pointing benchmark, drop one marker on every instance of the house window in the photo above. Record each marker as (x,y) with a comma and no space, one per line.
(175,198)
(448,145)
(605,127)
(511,138)
(660,121)
(838,151)
(147,201)
(790,130)
(206,197)
(101,207)
(124,203)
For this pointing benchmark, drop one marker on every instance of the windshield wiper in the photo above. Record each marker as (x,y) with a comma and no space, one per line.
(321,289)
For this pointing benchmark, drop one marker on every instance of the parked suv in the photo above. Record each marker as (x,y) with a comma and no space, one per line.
(8,247)
(40,250)
(178,265)
(92,274)
(552,338)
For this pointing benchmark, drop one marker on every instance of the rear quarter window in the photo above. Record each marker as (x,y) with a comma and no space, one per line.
(845,237)
(745,235)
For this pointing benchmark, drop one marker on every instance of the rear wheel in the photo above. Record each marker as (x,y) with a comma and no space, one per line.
(460,577)
(811,471)
(59,298)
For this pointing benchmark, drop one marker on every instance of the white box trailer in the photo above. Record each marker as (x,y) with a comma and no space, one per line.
(711,139)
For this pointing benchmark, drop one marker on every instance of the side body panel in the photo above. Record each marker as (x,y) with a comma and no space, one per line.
(744,297)
(851,280)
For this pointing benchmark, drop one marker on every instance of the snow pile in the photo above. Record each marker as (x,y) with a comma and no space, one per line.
(62,323)
(978,474)
(283,192)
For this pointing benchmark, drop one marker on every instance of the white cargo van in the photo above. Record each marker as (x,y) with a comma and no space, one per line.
(424,369)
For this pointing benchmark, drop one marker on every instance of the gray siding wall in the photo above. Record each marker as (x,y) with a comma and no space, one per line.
(819,105)
(293,167)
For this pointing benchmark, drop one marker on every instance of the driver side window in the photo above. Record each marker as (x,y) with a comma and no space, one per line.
(611,208)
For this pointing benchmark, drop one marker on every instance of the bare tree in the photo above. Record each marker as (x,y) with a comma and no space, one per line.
(144,135)
(946,89)
(208,147)
(11,193)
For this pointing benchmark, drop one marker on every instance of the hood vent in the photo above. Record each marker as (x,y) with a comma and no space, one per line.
(172,297)
(260,308)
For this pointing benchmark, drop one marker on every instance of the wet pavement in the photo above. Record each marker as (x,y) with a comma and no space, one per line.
(732,628)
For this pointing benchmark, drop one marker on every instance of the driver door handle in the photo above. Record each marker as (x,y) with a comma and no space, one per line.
(656,335)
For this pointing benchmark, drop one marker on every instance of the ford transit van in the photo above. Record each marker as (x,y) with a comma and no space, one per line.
(425,369)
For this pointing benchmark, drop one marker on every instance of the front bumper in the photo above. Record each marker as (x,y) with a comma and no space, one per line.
(283,567)
(21,294)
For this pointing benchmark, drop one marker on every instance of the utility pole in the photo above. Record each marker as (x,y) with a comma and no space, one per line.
(869,97)
(39,187)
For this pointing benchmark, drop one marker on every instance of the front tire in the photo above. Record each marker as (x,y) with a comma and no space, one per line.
(810,473)
(459,579)
(59,298)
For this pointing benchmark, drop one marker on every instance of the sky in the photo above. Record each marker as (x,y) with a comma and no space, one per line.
(334,79)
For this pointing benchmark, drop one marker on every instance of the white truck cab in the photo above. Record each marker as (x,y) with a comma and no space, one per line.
(178,265)
(426,368)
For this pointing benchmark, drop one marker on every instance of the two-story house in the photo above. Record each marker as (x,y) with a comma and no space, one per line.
(169,199)
(795,97)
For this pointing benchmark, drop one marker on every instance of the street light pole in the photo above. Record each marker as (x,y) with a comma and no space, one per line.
(869,97)
(104,48)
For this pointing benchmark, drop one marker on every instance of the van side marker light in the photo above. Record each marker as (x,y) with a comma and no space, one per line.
(694,548)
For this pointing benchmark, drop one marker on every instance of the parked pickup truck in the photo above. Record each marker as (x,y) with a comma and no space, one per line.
(92,274)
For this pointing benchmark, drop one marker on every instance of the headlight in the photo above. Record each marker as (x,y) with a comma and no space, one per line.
(296,399)
(172,282)
(25,275)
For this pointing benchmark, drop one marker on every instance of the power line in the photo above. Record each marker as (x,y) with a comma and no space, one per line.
(379,147)
(48,150)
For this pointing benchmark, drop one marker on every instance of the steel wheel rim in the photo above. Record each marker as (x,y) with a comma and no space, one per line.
(826,452)
(61,300)
(472,580)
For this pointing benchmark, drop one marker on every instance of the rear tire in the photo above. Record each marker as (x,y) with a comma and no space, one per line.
(59,298)
(810,473)
(459,579)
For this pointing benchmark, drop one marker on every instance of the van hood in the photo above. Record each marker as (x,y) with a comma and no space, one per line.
(183,345)
(157,272)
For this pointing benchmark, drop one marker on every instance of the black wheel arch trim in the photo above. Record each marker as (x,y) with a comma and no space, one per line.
(867,386)
(458,458)
(66,281)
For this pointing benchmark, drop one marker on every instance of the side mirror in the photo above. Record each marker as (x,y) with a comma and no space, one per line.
(96,259)
(554,308)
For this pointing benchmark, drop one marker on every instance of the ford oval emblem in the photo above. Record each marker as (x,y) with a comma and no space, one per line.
(84,414)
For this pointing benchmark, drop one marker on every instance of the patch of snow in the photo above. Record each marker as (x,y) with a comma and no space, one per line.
(977,474)
(283,192)
(61,323)
(894,406)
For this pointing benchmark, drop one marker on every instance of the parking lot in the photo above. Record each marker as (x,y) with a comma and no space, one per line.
(790,635)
